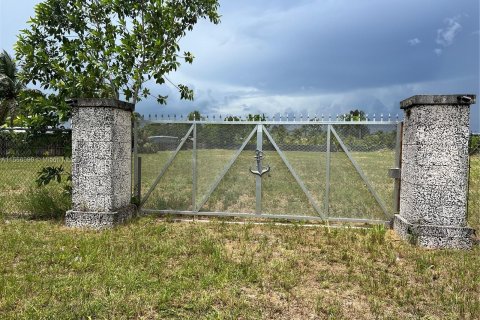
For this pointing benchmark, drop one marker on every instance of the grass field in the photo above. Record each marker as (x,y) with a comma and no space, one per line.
(236,193)
(349,196)
(19,193)
(156,269)
(159,269)
(474,193)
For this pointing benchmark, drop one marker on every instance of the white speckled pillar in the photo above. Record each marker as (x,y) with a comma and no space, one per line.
(101,163)
(434,176)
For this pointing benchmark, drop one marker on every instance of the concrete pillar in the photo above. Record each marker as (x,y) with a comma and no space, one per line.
(434,173)
(101,163)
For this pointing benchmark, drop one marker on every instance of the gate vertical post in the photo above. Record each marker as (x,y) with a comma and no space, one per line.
(136,164)
(433,195)
(327,176)
(258,178)
(396,169)
(194,168)
(101,163)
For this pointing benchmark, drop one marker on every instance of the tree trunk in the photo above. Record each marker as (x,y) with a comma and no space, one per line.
(3,111)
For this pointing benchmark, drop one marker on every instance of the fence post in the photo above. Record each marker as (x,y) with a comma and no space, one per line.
(395,172)
(258,178)
(101,163)
(194,168)
(433,195)
(327,175)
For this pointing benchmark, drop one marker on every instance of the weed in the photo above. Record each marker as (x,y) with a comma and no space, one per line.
(46,203)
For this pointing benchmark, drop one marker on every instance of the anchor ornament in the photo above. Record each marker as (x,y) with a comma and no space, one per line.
(260,170)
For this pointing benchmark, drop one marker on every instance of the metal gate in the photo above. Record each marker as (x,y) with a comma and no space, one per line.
(298,170)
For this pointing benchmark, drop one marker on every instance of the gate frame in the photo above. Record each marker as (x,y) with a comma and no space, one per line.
(259,128)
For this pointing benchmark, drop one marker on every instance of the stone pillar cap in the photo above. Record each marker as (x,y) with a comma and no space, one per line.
(101,102)
(452,99)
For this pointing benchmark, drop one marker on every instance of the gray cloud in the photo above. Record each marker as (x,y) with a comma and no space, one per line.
(446,36)
(328,56)
(317,56)
(414,41)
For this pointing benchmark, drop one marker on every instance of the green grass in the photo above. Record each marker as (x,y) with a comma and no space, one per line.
(155,269)
(19,193)
(474,193)
(236,193)
(349,196)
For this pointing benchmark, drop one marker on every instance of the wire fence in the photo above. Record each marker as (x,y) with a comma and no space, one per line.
(23,154)
(474,144)
(474,181)
(314,168)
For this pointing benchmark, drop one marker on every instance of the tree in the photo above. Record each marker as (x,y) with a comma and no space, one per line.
(39,111)
(354,115)
(232,118)
(10,88)
(194,115)
(99,48)
(256,117)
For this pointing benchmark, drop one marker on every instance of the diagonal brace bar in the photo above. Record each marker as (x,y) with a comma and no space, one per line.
(225,170)
(299,181)
(165,167)
(360,172)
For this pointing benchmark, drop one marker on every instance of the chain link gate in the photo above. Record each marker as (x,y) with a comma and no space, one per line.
(305,170)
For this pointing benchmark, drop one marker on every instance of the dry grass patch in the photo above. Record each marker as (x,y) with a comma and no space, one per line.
(156,269)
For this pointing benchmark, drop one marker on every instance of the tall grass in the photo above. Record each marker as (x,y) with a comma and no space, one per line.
(19,193)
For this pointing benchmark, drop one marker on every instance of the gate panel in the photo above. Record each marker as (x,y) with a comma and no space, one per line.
(349,196)
(217,145)
(236,190)
(281,194)
(304,146)
(372,146)
(156,143)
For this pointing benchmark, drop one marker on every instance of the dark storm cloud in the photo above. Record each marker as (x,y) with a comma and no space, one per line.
(331,56)
(337,46)
(317,56)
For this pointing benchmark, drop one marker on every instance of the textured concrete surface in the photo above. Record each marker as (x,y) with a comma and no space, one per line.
(99,220)
(434,237)
(101,159)
(434,175)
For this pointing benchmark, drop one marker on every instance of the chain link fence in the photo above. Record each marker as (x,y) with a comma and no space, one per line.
(474,181)
(23,155)
(207,167)
(474,144)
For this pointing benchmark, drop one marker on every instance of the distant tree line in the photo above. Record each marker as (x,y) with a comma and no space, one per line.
(156,137)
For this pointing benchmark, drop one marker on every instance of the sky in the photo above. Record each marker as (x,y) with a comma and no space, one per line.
(315,56)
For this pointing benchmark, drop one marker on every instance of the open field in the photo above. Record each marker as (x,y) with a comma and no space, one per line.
(281,194)
(349,196)
(18,190)
(152,269)
(474,194)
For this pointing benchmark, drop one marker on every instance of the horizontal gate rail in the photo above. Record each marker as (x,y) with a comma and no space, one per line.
(353,123)
(269,216)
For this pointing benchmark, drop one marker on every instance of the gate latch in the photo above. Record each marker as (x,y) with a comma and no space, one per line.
(395,173)
(260,169)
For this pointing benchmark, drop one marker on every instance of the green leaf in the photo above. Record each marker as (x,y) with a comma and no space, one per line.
(79,48)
